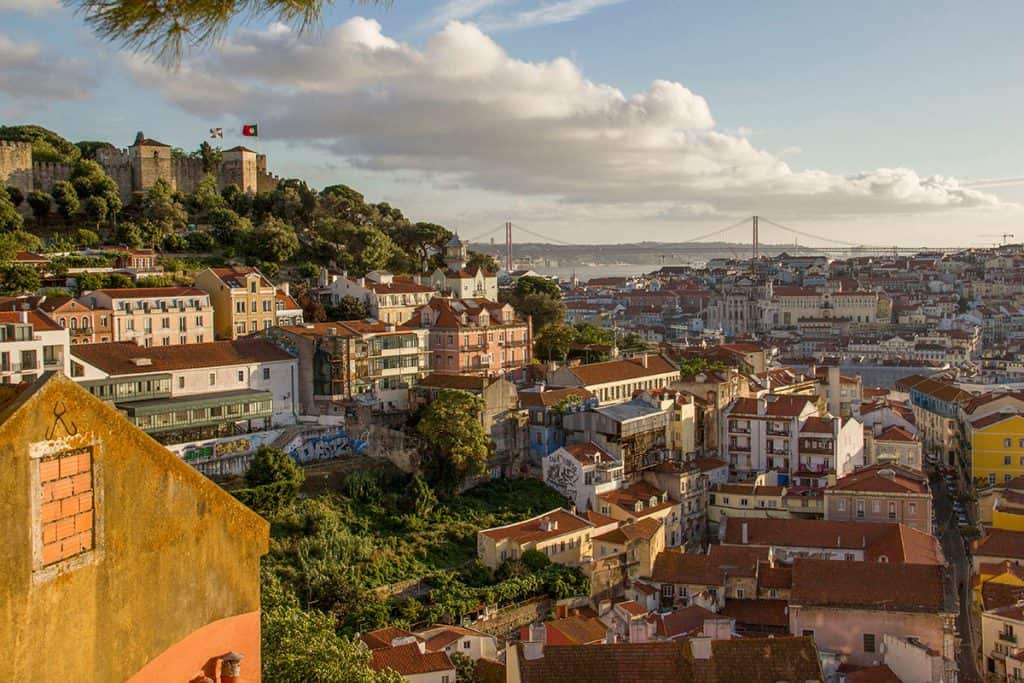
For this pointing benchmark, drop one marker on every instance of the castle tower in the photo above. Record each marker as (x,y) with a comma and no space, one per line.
(151,161)
(240,167)
(16,165)
(455,253)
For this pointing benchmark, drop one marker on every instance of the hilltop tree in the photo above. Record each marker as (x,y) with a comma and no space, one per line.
(274,241)
(205,197)
(41,204)
(90,180)
(16,280)
(420,240)
(46,145)
(95,209)
(349,308)
(10,219)
(458,446)
(210,156)
(160,208)
(228,227)
(553,341)
(66,198)
(15,195)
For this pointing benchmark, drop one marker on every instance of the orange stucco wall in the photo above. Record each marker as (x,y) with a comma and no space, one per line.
(188,657)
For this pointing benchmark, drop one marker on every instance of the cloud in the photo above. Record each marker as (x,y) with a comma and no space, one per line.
(27,71)
(29,6)
(486,14)
(462,109)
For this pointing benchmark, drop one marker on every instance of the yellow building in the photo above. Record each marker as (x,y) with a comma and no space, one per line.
(559,534)
(118,561)
(244,300)
(993,575)
(997,448)
(642,500)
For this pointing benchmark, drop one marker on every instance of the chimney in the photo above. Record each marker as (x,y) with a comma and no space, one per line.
(533,650)
(22,316)
(643,359)
(231,667)
(286,287)
(744,537)
(700,646)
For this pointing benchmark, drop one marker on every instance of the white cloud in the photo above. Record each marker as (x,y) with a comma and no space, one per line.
(27,71)
(544,15)
(30,6)
(463,110)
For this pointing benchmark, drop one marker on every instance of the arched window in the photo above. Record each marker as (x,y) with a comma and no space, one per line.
(74,323)
(63,323)
(85,322)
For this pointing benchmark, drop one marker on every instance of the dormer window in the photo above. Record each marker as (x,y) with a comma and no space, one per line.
(638,506)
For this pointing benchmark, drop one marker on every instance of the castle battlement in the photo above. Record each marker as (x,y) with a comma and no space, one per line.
(16,144)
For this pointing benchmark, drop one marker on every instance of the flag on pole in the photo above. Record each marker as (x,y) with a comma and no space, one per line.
(216,133)
(250,130)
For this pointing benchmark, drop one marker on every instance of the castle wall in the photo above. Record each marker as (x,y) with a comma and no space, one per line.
(187,174)
(46,174)
(150,164)
(16,165)
(118,165)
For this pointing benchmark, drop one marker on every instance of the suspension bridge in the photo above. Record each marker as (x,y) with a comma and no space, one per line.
(745,233)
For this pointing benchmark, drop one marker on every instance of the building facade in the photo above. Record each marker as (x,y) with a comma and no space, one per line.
(150,316)
(244,300)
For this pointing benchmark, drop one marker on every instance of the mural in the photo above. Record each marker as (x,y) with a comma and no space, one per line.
(326,447)
(562,474)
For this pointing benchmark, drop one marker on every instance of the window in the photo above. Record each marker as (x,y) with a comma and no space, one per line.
(213,378)
(807,632)
(849,557)
(241,375)
(841,505)
(869,642)
(739,593)
(1007,443)
(465,644)
(991,479)
(1021,443)
(860,509)
(743,502)
(181,381)
(912,508)
(892,510)
(1007,460)
(252,286)
(266,373)
(165,323)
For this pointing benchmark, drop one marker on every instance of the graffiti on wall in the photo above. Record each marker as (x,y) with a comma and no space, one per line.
(326,447)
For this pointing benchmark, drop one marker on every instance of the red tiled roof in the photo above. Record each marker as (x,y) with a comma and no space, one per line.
(898,543)
(896,433)
(117,358)
(757,612)
(632,607)
(872,674)
(737,560)
(778,576)
(622,370)
(992,419)
(681,622)
(532,529)
(407,660)
(550,397)
(671,566)
(150,292)
(235,275)
(34,318)
(383,637)
(817,425)
(882,586)
(589,453)
(1001,543)
(874,478)
(637,492)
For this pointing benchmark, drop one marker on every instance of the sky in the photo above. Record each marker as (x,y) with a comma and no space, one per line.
(589,121)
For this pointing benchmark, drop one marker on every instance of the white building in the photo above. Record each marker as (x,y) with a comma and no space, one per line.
(581,472)
(459,280)
(390,299)
(31,344)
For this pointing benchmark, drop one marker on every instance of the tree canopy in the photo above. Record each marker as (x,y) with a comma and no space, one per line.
(452,431)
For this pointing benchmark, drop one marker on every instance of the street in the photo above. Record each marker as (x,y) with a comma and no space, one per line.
(953,547)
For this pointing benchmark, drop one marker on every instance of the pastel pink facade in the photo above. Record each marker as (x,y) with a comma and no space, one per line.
(474,336)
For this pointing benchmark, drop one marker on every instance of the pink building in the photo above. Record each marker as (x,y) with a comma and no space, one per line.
(881,493)
(474,336)
(849,608)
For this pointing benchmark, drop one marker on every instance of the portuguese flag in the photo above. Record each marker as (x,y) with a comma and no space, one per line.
(250,130)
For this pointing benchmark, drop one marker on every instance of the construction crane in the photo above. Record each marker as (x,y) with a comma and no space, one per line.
(1001,235)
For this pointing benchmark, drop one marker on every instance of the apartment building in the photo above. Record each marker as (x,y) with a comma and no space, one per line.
(389,298)
(851,608)
(340,362)
(936,407)
(31,344)
(474,336)
(85,325)
(561,535)
(244,300)
(187,393)
(853,541)
(616,381)
(640,500)
(546,408)
(882,493)
(996,447)
(150,316)
(638,432)
(624,554)
(1002,637)
(459,280)
(763,433)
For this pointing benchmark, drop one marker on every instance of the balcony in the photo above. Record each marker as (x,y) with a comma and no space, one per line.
(745,448)
(1007,637)
(736,428)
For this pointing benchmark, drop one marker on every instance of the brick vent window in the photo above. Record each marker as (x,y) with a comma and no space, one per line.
(66,487)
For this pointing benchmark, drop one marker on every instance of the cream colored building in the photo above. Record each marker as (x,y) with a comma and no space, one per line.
(390,299)
(561,535)
(244,300)
(155,316)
